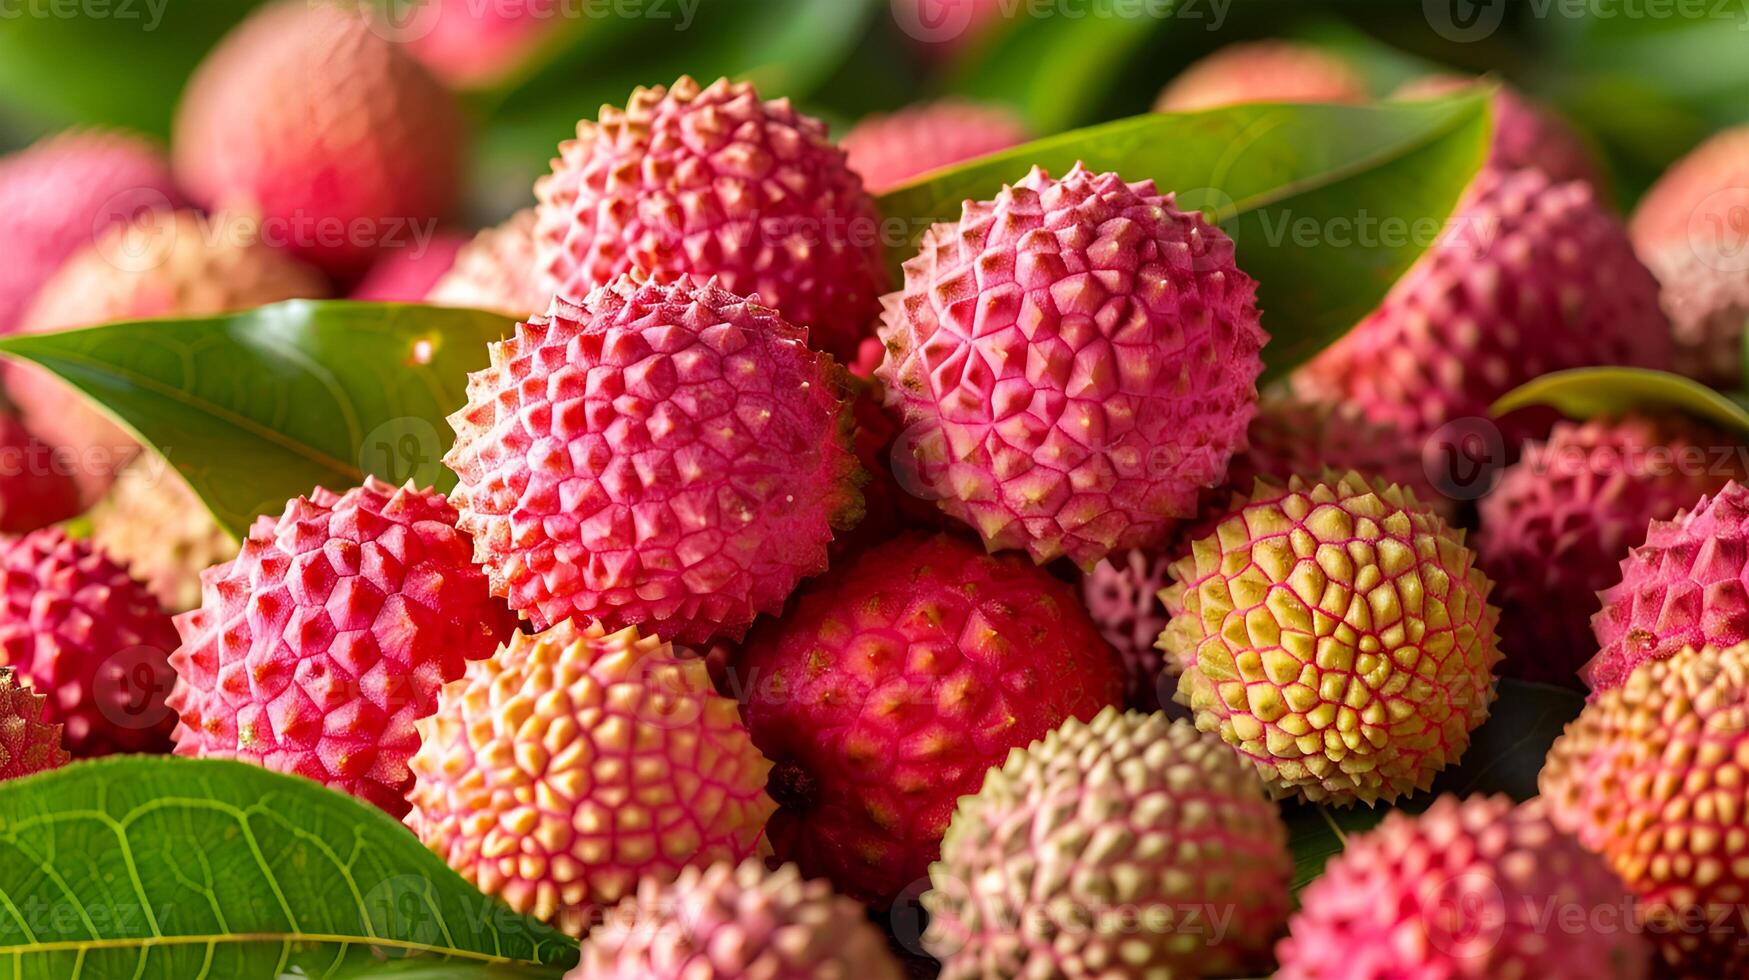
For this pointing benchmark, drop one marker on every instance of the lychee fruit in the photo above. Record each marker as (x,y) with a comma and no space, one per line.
(1074,362)
(1687,585)
(1528,277)
(495,271)
(889,687)
(714,182)
(152,522)
(61,194)
(408,274)
(735,920)
(575,762)
(1651,777)
(36,483)
(672,457)
(93,641)
(1338,634)
(469,44)
(1122,594)
(310,117)
(1262,71)
(1526,132)
(1128,812)
(889,150)
(1472,889)
(27,743)
(1557,526)
(315,649)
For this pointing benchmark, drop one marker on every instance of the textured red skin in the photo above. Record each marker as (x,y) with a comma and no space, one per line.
(27,743)
(60,194)
(1469,890)
(1558,524)
(306,114)
(35,488)
(316,649)
(672,457)
(1073,363)
(889,150)
(1262,71)
(94,641)
(714,182)
(495,271)
(471,44)
(1526,133)
(408,274)
(893,684)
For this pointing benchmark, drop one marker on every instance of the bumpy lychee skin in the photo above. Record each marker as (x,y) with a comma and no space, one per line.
(1687,585)
(409,272)
(574,762)
(495,271)
(1526,132)
(316,649)
(91,639)
(152,522)
(729,921)
(1130,811)
(888,150)
(673,457)
(1557,526)
(36,485)
(1529,277)
(1651,776)
(892,684)
(1472,889)
(1262,71)
(1075,361)
(1122,594)
(61,193)
(311,118)
(27,743)
(713,182)
(1338,634)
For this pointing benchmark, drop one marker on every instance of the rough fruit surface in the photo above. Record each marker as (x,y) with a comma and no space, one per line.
(1122,594)
(495,271)
(888,150)
(152,522)
(891,686)
(1472,889)
(1128,811)
(91,640)
(1526,132)
(36,483)
(574,762)
(1338,635)
(673,457)
(1075,360)
(408,273)
(27,743)
(1651,776)
(315,650)
(1262,71)
(714,182)
(729,921)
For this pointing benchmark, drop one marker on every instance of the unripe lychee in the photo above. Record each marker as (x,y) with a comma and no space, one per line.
(574,762)
(889,687)
(152,522)
(730,921)
(889,150)
(672,457)
(36,483)
(1074,361)
(91,640)
(333,134)
(1473,889)
(1526,132)
(315,649)
(1100,850)
(1262,71)
(495,271)
(27,743)
(1338,634)
(1651,776)
(407,274)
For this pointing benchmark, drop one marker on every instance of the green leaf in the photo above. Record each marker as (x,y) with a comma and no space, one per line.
(1328,204)
(1504,756)
(257,407)
(145,867)
(1593,392)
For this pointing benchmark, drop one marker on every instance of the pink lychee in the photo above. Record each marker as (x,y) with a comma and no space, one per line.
(889,150)
(1262,71)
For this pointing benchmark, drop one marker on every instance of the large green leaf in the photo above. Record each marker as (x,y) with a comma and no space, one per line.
(254,408)
(1584,393)
(150,867)
(1328,204)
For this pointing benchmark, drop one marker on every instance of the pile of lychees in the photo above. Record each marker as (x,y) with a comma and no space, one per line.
(776,589)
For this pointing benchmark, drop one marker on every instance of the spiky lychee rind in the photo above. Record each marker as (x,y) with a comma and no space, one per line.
(1529,277)
(1651,776)
(325,128)
(1338,634)
(1557,526)
(1075,361)
(1122,594)
(888,150)
(152,522)
(27,743)
(1526,132)
(315,649)
(409,272)
(495,271)
(892,684)
(1262,71)
(1472,889)
(1687,585)
(714,182)
(574,762)
(672,457)
(1132,811)
(36,482)
(91,639)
